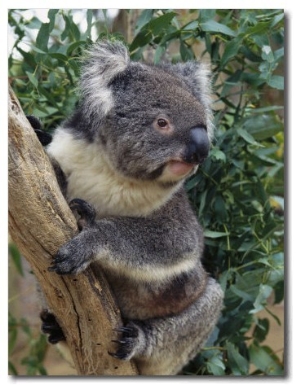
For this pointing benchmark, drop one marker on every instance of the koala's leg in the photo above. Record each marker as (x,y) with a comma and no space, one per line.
(162,346)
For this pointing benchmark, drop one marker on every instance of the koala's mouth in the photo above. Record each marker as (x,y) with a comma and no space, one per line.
(180,168)
(174,170)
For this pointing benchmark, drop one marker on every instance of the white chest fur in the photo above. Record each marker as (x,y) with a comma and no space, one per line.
(90,177)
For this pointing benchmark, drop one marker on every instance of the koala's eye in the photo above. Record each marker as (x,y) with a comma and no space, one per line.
(163,125)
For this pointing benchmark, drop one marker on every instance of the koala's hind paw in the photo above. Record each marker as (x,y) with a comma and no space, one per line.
(127,343)
(50,326)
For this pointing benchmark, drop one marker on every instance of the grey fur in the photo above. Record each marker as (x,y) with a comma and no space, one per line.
(138,133)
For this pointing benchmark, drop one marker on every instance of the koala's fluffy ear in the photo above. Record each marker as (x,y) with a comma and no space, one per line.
(103,62)
(197,76)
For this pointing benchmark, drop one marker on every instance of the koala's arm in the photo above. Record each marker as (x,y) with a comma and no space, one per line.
(165,243)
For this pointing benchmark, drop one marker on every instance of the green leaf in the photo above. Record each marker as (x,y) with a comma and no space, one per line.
(144,18)
(40,112)
(267,54)
(230,52)
(142,38)
(248,137)
(73,46)
(262,127)
(35,49)
(185,52)
(276,81)
(218,154)
(158,53)
(89,19)
(32,79)
(216,366)
(58,56)
(277,19)
(16,257)
(214,234)
(213,26)
(261,357)
(51,15)
(159,24)
(12,369)
(34,23)
(241,293)
(43,37)
(261,299)
(238,364)
(261,329)
(13,333)
(279,53)
(207,14)
(192,25)
(71,30)
(259,29)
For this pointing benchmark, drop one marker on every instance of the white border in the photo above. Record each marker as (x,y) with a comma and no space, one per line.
(292,174)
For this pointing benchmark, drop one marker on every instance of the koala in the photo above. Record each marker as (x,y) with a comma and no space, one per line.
(138,133)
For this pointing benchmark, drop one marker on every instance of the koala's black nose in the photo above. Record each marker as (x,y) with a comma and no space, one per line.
(198,146)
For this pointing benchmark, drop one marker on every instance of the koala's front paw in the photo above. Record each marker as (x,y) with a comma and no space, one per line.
(73,257)
(128,342)
(44,137)
(86,212)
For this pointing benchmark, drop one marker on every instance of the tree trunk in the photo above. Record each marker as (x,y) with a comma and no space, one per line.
(40,221)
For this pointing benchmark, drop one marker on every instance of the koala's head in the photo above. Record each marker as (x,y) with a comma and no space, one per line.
(152,122)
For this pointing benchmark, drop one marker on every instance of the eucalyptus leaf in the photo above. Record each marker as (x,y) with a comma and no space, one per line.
(161,23)
(238,364)
(248,137)
(231,50)
(215,234)
(32,79)
(43,37)
(260,357)
(144,18)
(16,257)
(214,26)
(276,81)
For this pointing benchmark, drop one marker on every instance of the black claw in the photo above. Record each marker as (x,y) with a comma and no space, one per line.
(126,342)
(118,355)
(57,270)
(125,329)
(52,268)
(57,338)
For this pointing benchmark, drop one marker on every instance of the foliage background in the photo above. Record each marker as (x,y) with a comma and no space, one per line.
(238,194)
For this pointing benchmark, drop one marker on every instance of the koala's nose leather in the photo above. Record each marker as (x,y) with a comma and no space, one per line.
(198,146)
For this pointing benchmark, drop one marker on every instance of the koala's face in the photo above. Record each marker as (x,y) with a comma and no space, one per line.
(155,121)
(157,129)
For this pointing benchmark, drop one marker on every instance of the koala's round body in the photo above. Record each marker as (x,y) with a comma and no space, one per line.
(137,134)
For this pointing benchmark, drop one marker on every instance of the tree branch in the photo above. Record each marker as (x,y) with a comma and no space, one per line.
(40,221)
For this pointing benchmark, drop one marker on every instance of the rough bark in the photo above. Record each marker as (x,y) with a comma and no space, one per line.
(40,221)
